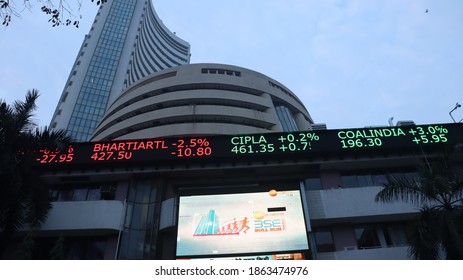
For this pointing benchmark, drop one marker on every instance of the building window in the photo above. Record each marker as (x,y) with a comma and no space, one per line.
(324,241)
(79,194)
(139,236)
(86,249)
(381,235)
(220,71)
(286,118)
(103,66)
(367,237)
(394,235)
(369,180)
(64,195)
(94,194)
(83,193)
(68,248)
(313,184)
(357,181)
(349,181)
(379,179)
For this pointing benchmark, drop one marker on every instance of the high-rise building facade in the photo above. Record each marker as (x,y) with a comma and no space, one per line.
(126,42)
(203,98)
(301,194)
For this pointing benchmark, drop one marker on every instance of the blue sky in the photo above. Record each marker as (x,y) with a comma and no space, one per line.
(353,63)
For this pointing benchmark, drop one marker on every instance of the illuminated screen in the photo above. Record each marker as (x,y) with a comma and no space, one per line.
(241,223)
(303,144)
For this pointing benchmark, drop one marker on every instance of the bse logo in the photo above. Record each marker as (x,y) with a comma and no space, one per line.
(267,225)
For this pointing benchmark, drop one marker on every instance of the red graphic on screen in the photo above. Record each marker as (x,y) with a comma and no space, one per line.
(234,227)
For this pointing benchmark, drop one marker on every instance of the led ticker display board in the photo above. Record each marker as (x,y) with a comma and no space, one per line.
(241,223)
(293,144)
(128,151)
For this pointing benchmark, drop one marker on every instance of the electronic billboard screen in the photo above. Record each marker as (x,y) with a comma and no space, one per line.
(302,144)
(241,223)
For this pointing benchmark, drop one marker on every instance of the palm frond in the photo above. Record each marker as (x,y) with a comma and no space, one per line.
(401,189)
(452,234)
(52,138)
(12,217)
(23,198)
(424,235)
(23,112)
(456,187)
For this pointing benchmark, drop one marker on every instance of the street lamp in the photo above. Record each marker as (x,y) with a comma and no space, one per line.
(450,113)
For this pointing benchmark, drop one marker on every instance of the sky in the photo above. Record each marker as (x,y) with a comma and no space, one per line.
(353,63)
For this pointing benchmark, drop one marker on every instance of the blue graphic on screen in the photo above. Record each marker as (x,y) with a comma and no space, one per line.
(208,225)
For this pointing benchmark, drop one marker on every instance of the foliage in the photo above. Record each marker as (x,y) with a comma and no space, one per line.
(24,199)
(60,13)
(57,252)
(438,192)
(26,247)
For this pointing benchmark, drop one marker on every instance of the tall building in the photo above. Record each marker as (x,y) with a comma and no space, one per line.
(132,79)
(126,42)
(205,161)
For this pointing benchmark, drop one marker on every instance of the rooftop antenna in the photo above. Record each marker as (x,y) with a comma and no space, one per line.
(450,113)
(390,121)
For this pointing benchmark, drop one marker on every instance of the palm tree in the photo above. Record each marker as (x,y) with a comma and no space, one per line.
(24,199)
(438,192)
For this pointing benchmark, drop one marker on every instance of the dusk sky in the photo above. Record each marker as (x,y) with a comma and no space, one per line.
(352,63)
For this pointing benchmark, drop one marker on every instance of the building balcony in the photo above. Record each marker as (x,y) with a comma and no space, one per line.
(354,205)
(352,253)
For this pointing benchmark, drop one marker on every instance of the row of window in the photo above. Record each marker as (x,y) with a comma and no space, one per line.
(368,236)
(286,119)
(89,108)
(167,37)
(102,69)
(236,120)
(91,82)
(110,54)
(83,193)
(188,87)
(98,80)
(109,44)
(99,60)
(100,72)
(65,248)
(284,91)
(153,36)
(138,240)
(79,135)
(361,180)
(221,71)
(366,180)
(134,74)
(95,97)
(180,103)
(80,124)
(147,55)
